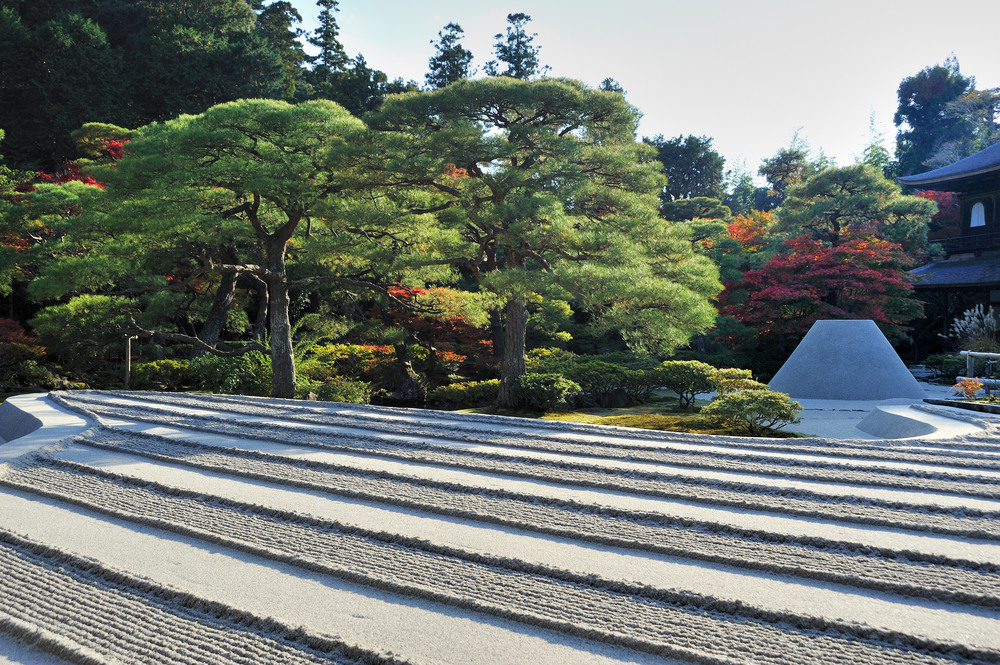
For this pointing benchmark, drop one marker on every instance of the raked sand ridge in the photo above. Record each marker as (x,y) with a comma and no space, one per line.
(172,528)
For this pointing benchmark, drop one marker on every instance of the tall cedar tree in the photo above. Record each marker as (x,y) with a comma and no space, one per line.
(548,195)
(516,50)
(451,61)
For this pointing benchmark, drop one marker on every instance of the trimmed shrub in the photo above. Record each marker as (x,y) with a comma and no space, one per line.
(465,394)
(543,391)
(946,364)
(549,360)
(353,360)
(731,379)
(336,389)
(598,380)
(249,374)
(168,374)
(687,378)
(755,412)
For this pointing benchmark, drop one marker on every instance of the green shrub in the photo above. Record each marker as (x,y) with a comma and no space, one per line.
(687,378)
(165,374)
(598,380)
(731,379)
(548,360)
(543,391)
(249,374)
(465,394)
(336,389)
(947,364)
(755,412)
(20,358)
(353,360)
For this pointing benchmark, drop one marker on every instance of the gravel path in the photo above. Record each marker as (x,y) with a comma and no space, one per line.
(899,545)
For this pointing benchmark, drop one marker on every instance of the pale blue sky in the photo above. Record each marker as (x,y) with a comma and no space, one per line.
(747,73)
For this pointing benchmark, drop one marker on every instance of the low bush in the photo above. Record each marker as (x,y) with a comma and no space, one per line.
(755,412)
(249,374)
(946,364)
(731,379)
(20,358)
(687,378)
(353,360)
(967,388)
(465,394)
(543,391)
(335,389)
(548,360)
(168,374)
(598,380)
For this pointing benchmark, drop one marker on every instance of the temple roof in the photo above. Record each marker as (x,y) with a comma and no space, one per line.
(976,271)
(966,174)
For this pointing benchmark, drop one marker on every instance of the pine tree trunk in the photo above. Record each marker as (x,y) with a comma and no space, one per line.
(280,327)
(513,366)
(216,320)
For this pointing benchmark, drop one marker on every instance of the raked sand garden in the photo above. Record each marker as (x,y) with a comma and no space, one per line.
(173,528)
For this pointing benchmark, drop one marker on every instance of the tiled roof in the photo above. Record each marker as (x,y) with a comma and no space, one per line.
(983,162)
(973,271)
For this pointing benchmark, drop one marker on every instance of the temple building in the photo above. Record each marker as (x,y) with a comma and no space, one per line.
(969,272)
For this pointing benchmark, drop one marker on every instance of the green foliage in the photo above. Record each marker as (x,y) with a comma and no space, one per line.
(249,374)
(948,364)
(336,389)
(755,412)
(466,394)
(552,199)
(452,61)
(83,331)
(516,50)
(542,392)
(20,358)
(548,360)
(692,167)
(598,380)
(853,202)
(921,113)
(687,378)
(352,360)
(168,374)
(730,379)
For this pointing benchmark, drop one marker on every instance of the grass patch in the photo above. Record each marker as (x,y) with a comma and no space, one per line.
(654,416)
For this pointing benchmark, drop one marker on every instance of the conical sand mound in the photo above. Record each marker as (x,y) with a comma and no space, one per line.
(850,360)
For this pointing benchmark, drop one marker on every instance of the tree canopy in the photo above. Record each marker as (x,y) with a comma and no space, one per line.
(239,190)
(451,61)
(548,196)
(921,116)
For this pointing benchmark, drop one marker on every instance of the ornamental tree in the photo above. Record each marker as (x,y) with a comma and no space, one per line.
(841,204)
(856,279)
(256,188)
(546,194)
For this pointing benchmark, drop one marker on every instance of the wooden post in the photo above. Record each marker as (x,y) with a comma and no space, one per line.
(128,359)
